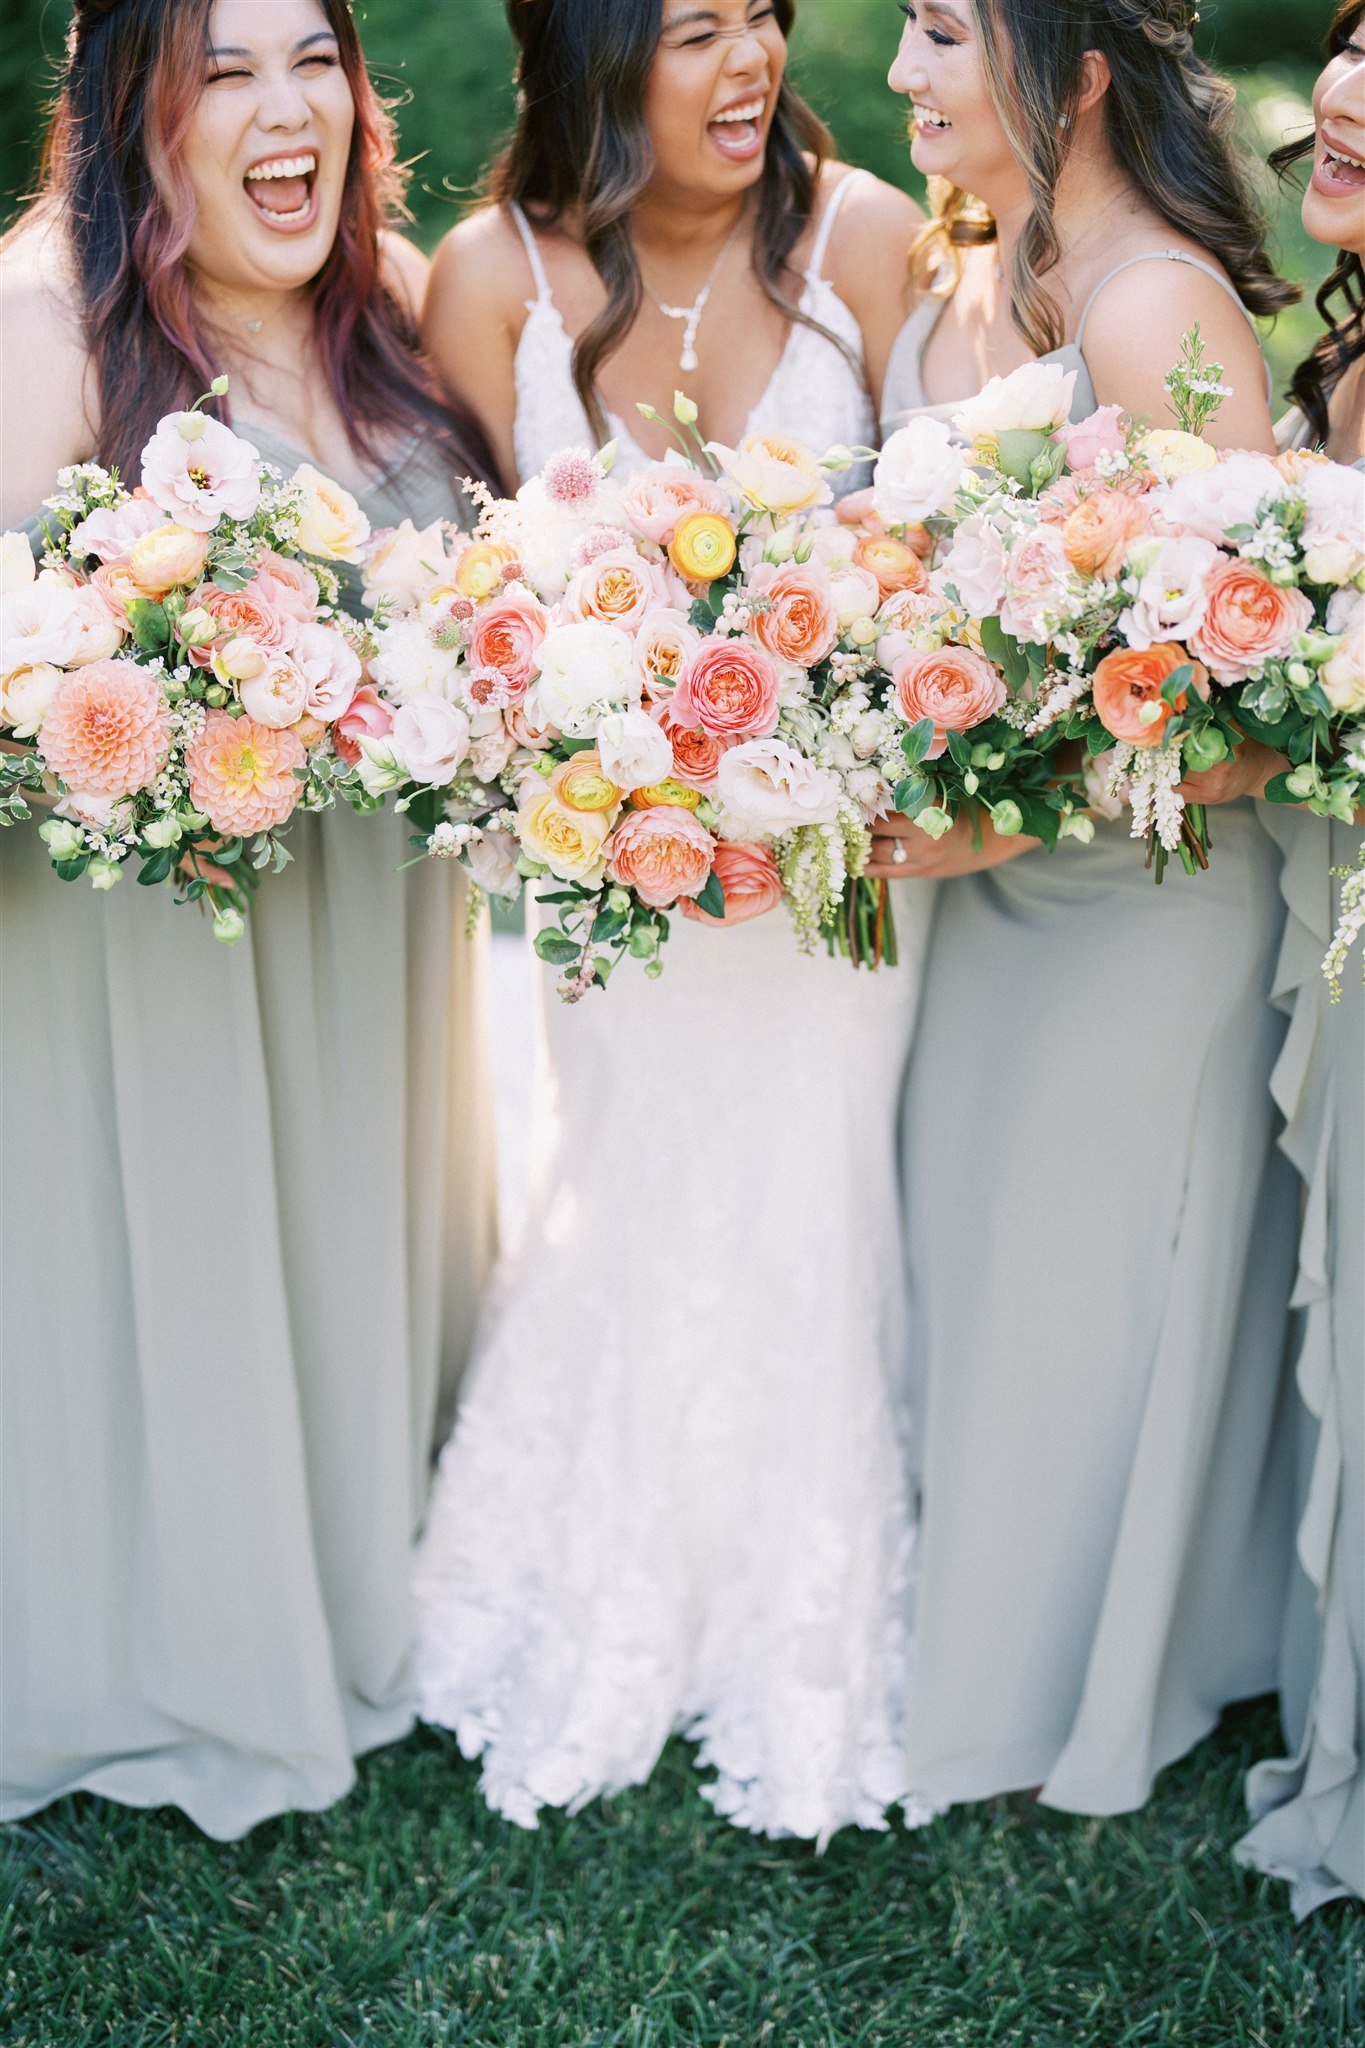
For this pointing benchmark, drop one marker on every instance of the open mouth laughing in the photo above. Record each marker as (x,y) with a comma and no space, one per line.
(737,130)
(283,190)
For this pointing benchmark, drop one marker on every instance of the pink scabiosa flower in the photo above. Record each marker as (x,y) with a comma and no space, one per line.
(571,478)
(241,774)
(198,471)
(106,729)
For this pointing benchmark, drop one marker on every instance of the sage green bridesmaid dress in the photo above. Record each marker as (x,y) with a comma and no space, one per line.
(1100,1239)
(247,1214)
(1309,1807)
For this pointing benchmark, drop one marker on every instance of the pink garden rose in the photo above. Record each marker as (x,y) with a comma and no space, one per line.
(251,612)
(1036,572)
(749,877)
(1248,620)
(662,853)
(330,668)
(616,589)
(366,717)
(954,686)
(286,586)
(655,501)
(505,635)
(241,774)
(106,730)
(730,689)
(664,645)
(277,694)
(1210,501)
(198,471)
(799,625)
(975,566)
(1086,440)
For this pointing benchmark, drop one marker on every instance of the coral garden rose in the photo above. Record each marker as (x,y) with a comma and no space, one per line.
(729,688)
(333,526)
(506,635)
(1248,620)
(366,717)
(1097,535)
(895,564)
(664,645)
(771,788)
(583,784)
(241,774)
(798,623)
(106,729)
(918,472)
(703,547)
(696,752)
(569,843)
(116,590)
(661,853)
(168,558)
(749,877)
(198,471)
(1127,687)
(277,695)
(661,496)
(616,588)
(954,686)
(775,473)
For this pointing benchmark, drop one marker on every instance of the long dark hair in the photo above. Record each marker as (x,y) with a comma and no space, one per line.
(113,175)
(1169,121)
(1343,340)
(581,149)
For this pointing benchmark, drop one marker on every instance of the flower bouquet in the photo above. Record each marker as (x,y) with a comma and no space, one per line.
(646,694)
(173,675)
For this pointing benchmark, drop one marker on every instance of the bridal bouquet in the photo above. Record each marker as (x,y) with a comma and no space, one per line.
(176,677)
(649,694)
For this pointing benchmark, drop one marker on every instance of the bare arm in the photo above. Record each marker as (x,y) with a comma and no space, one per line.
(869,265)
(43,366)
(472,321)
(1133,337)
(406,272)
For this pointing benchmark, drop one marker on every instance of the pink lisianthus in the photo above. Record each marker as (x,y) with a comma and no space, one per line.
(661,853)
(954,686)
(1086,440)
(110,532)
(730,689)
(330,669)
(975,566)
(505,634)
(198,471)
(749,877)
(106,730)
(366,717)
(241,774)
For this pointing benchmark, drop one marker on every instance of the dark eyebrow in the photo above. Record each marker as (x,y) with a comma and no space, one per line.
(937,7)
(321,35)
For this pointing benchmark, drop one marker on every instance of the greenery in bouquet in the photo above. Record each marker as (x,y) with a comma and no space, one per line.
(175,674)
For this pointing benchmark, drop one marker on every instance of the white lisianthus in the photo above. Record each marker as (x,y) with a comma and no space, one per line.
(1169,602)
(409,664)
(586,670)
(773,789)
(164,831)
(917,473)
(402,564)
(431,738)
(16,562)
(1209,502)
(1034,398)
(379,767)
(633,749)
(975,566)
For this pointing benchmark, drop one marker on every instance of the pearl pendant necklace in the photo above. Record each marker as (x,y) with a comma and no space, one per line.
(691,315)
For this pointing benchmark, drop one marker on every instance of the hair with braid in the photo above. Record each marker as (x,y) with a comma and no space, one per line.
(113,177)
(1169,121)
(1343,339)
(581,151)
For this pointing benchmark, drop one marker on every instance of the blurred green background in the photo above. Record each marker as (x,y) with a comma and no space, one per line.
(448,63)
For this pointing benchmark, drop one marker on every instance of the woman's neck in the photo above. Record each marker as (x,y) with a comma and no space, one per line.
(1092,196)
(681,231)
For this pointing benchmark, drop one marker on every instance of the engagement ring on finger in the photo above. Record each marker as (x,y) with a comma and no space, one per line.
(899,855)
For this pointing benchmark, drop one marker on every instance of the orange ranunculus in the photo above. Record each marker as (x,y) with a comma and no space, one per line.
(895,564)
(1130,679)
(703,547)
(669,795)
(1098,531)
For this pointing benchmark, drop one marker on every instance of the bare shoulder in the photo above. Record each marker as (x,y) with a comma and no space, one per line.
(869,250)
(483,255)
(406,271)
(870,208)
(44,362)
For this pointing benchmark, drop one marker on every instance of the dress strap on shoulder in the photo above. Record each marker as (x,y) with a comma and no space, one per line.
(825,227)
(1159,256)
(534,257)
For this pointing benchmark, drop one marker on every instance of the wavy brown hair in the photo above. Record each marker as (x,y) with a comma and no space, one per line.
(1343,339)
(581,153)
(114,178)
(1169,120)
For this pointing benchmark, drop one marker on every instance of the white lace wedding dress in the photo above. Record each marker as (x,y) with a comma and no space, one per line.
(675,1497)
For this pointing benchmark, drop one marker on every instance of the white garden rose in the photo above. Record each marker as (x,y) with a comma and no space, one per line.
(277,694)
(40,621)
(16,562)
(1334,529)
(1036,397)
(25,694)
(492,858)
(633,749)
(774,473)
(410,664)
(402,564)
(770,788)
(917,473)
(431,738)
(333,525)
(586,670)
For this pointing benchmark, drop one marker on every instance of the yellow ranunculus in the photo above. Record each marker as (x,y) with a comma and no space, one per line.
(670,792)
(703,547)
(480,569)
(580,783)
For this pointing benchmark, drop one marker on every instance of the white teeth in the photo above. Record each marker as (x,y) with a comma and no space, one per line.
(283,167)
(299,213)
(1339,156)
(929,117)
(752,112)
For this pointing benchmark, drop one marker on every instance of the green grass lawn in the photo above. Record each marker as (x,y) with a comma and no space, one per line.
(410,1917)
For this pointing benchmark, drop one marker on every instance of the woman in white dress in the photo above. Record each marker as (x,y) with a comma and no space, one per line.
(674,1498)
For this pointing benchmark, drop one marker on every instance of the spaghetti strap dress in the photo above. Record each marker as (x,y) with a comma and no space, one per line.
(1100,1242)
(246,1214)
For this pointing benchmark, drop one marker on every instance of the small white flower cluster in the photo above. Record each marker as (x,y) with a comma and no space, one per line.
(1146,778)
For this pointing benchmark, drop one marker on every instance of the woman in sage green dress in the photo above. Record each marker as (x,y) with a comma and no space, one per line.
(1309,1808)
(1100,1231)
(246,1191)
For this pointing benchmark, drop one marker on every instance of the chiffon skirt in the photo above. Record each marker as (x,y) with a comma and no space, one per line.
(1101,1246)
(1309,1808)
(247,1212)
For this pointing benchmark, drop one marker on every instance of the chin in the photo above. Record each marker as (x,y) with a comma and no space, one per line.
(1334,222)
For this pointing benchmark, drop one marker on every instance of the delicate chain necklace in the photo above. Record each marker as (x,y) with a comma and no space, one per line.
(692,314)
